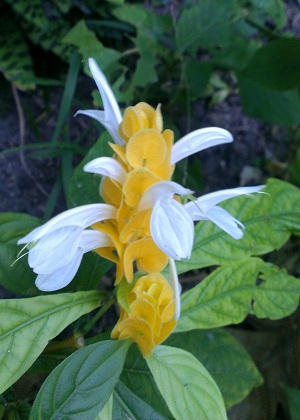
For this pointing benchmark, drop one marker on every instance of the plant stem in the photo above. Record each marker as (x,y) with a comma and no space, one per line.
(97,316)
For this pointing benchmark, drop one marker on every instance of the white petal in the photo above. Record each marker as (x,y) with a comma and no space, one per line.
(176,287)
(111,117)
(83,216)
(226,222)
(172,228)
(199,140)
(160,190)
(54,250)
(107,166)
(207,201)
(92,239)
(61,277)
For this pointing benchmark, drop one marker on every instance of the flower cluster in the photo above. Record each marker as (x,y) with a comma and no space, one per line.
(151,315)
(144,223)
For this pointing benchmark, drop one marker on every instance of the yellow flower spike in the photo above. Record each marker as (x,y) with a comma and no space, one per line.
(137,227)
(165,169)
(120,152)
(147,149)
(168,312)
(139,117)
(131,123)
(111,192)
(154,117)
(147,323)
(139,331)
(137,182)
(114,254)
(149,258)
(142,308)
(124,215)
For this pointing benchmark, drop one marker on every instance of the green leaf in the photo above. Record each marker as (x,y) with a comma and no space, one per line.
(15,60)
(16,276)
(32,11)
(276,107)
(84,187)
(293,397)
(269,221)
(205,24)
(197,75)
(276,65)
(90,46)
(229,293)
(106,412)
(225,359)
(271,8)
(82,384)
(185,384)
(138,379)
(27,325)
(128,405)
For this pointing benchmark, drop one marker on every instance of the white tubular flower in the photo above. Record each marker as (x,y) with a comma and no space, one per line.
(198,140)
(111,117)
(56,248)
(171,222)
(107,166)
(205,208)
(172,228)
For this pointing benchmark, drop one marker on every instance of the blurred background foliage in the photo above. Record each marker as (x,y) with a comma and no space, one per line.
(177,53)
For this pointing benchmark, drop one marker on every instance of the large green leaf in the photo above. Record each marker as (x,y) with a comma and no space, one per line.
(82,384)
(276,65)
(27,325)
(185,384)
(224,358)
(229,293)
(138,379)
(293,397)
(263,103)
(269,221)
(205,24)
(126,404)
(89,46)
(15,276)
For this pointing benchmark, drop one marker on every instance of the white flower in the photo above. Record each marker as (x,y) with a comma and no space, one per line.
(56,248)
(171,222)
(111,117)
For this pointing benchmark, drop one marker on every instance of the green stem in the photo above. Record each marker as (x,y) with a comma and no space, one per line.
(97,316)
(263,29)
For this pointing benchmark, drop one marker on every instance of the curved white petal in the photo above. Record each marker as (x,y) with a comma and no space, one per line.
(54,250)
(82,216)
(172,228)
(92,239)
(226,222)
(204,203)
(176,287)
(107,166)
(61,277)
(160,190)
(111,117)
(199,140)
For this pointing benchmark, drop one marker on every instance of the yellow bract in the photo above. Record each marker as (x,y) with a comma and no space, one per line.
(145,156)
(139,117)
(151,317)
